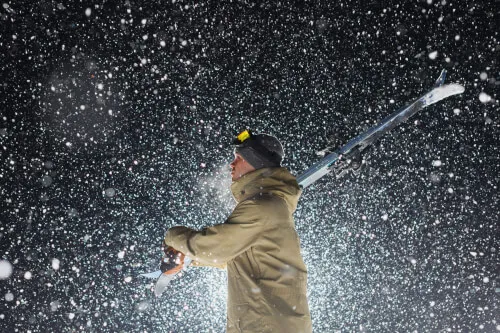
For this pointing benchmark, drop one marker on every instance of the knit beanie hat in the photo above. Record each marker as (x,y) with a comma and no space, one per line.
(261,150)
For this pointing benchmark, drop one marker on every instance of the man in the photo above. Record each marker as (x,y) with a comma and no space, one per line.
(257,243)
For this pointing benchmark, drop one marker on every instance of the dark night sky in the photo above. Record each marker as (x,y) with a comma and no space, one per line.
(116,123)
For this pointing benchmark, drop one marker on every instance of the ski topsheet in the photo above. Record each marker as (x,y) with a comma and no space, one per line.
(339,160)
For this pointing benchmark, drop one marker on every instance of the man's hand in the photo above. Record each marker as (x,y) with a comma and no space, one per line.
(172,261)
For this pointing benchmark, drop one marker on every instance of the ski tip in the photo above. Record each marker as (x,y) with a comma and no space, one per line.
(442,92)
(454,88)
(441,78)
(460,89)
(151,275)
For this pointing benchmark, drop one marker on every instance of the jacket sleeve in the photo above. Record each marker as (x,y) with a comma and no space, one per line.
(216,245)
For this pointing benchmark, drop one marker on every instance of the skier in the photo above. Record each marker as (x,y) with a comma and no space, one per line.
(258,243)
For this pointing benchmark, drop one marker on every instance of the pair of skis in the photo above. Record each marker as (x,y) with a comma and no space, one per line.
(348,157)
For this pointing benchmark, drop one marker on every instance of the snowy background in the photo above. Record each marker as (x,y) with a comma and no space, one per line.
(116,122)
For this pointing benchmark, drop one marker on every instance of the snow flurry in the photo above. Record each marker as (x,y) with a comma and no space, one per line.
(116,119)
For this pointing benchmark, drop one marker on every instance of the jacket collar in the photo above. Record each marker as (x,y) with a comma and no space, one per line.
(276,181)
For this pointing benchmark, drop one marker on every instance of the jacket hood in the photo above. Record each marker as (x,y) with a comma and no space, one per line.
(276,181)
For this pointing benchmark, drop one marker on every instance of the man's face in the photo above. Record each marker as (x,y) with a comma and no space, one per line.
(239,167)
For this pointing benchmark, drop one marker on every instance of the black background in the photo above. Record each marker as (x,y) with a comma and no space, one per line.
(117,125)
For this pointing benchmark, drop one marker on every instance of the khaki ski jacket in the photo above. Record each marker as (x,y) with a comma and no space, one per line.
(260,247)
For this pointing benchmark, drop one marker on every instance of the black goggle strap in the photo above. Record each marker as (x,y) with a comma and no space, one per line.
(266,154)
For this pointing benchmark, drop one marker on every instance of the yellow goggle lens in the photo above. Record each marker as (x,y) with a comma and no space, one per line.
(243,136)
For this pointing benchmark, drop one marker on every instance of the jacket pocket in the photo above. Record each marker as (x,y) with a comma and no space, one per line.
(255,265)
(233,270)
